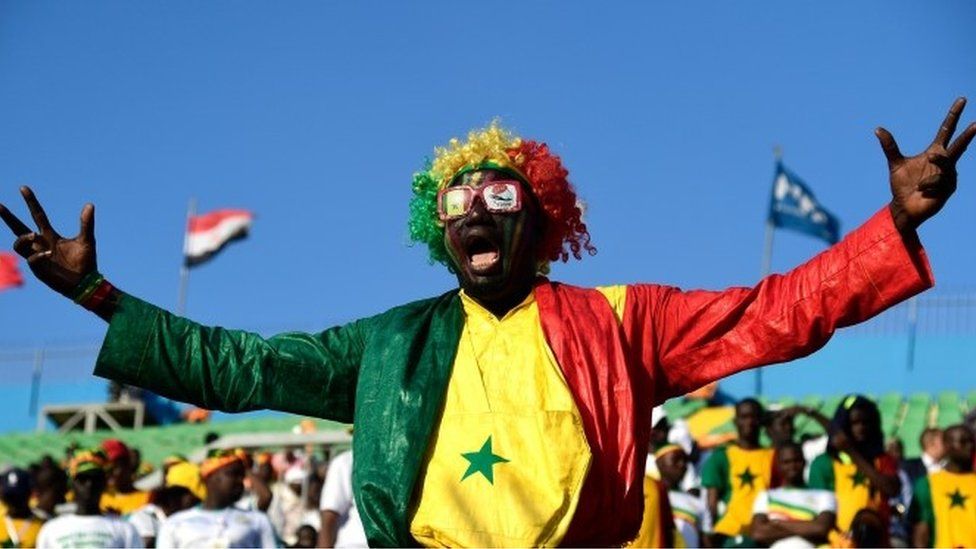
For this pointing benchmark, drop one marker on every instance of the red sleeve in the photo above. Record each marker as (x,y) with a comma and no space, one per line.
(685,340)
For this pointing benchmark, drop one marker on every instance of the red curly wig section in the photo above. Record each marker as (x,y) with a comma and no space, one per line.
(556,196)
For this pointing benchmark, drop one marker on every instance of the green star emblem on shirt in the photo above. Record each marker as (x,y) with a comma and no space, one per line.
(746,478)
(483,462)
(958,499)
(858,479)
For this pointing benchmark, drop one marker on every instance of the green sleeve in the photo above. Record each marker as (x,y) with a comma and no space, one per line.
(715,471)
(921,509)
(232,370)
(822,473)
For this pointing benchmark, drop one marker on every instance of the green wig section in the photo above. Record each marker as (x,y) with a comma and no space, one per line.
(424,224)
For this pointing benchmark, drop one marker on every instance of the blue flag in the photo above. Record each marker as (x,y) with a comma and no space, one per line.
(793,206)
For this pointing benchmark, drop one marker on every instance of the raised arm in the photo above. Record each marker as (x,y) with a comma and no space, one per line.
(213,368)
(698,337)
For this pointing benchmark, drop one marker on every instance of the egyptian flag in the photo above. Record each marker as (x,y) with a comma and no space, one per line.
(9,274)
(207,234)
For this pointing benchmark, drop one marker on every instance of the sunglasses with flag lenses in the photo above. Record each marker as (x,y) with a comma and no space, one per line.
(498,196)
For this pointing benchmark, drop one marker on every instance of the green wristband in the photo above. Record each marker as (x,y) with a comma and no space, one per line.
(86,287)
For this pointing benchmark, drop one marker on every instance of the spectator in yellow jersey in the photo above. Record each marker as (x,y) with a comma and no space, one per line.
(856,467)
(944,507)
(20,526)
(735,474)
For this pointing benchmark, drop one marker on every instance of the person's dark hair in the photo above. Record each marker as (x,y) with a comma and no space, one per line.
(867,529)
(873,445)
(749,401)
(790,445)
(927,433)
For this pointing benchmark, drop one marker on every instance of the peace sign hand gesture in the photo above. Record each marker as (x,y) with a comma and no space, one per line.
(59,262)
(921,185)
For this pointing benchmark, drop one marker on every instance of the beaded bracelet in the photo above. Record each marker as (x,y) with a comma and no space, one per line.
(91,291)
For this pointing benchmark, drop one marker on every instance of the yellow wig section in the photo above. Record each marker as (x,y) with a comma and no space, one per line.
(490,144)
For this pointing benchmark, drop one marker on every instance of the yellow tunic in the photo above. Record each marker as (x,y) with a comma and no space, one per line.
(509,457)
(953,500)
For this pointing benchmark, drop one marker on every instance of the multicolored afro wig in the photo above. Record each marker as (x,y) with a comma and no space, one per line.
(496,148)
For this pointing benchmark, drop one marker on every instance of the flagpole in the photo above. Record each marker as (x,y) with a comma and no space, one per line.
(767,263)
(191,210)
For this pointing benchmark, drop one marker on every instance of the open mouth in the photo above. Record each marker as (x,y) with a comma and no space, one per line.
(483,253)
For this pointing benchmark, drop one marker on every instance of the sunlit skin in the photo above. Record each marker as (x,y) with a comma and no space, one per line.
(960,448)
(748,418)
(224,486)
(505,282)
(789,464)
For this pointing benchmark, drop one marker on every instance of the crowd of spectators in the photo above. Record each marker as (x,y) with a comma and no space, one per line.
(845,488)
(232,498)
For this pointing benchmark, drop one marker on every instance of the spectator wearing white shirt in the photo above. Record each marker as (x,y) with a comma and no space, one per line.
(88,527)
(792,516)
(217,523)
(341,526)
(181,490)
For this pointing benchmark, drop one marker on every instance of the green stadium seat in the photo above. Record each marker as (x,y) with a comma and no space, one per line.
(916,420)
(950,410)
(890,406)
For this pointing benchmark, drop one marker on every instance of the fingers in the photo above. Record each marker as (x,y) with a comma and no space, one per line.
(15,224)
(28,244)
(34,259)
(948,126)
(959,145)
(37,212)
(88,223)
(888,145)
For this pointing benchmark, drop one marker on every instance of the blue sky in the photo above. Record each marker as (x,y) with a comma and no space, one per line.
(315,115)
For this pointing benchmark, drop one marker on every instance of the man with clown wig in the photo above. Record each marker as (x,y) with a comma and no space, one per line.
(513,410)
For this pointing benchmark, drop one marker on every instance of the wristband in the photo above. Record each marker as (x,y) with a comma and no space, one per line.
(86,287)
(98,297)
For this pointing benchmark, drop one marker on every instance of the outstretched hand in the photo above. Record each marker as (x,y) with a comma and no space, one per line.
(921,185)
(57,261)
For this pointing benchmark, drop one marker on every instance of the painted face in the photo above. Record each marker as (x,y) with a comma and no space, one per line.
(494,254)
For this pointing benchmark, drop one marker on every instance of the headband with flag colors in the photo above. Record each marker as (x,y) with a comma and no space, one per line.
(85,460)
(667,449)
(221,458)
(529,161)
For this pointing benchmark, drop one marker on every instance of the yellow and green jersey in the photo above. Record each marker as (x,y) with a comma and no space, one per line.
(509,456)
(851,486)
(739,476)
(947,502)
